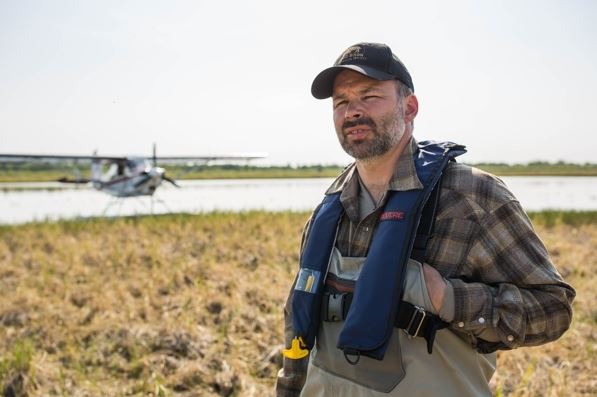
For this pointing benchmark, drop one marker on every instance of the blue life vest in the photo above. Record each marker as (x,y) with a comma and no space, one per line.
(378,291)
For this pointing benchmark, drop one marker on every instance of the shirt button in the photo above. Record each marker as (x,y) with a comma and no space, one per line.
(461,324)
(481,320)
(510,338)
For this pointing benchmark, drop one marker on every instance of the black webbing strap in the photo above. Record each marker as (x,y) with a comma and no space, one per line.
(426,224)
(415,320)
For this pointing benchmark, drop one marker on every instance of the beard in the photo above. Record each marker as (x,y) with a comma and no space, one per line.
(386,134)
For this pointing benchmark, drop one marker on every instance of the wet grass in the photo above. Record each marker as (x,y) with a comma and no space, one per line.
(190,305)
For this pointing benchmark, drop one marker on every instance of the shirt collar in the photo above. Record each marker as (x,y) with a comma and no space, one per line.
(404,178)
(405,175)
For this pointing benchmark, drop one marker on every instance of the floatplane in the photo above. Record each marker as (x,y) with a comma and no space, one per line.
(126,176)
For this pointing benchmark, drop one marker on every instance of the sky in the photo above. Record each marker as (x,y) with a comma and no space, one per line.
(514,81)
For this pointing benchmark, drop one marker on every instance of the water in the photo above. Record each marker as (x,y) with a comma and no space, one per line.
(24,202)
(537,193)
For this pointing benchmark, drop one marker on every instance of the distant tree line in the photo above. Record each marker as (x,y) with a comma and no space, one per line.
(539,168)
(49,171)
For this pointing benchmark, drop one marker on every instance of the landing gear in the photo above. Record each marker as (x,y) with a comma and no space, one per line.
(146,208)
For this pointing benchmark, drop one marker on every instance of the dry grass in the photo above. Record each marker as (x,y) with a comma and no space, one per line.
(175,305)
(191,306)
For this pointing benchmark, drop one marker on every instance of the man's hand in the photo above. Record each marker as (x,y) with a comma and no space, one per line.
(436,286)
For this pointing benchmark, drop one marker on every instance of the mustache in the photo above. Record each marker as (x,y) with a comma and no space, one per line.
(361,121)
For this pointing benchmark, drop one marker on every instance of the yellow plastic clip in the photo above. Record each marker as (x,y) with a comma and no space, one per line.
(296,352)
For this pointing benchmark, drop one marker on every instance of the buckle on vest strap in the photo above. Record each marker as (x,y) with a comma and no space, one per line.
(416,319)
(335,306)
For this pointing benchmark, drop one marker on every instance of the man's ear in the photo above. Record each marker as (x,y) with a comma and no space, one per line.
(411,109)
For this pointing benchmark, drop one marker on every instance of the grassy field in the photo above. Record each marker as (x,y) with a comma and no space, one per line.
(183,305)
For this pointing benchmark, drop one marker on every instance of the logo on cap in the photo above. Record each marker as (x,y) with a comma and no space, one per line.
(352,54)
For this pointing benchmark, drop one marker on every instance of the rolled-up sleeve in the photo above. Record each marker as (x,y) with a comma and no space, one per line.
(517,290)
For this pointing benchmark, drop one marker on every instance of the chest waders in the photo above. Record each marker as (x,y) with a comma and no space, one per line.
(377,296)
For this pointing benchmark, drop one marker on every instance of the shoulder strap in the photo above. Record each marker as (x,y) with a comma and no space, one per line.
(426,225)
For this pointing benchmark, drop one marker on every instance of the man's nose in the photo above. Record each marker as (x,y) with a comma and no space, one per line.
(353,110)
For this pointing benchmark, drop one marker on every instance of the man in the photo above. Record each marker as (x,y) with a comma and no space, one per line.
(382,306)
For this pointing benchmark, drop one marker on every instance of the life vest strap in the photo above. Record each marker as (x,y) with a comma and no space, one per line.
(414,320)
(335,306)
(426,224)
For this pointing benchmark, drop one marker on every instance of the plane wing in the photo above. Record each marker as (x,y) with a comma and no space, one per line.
(223,157)
(162,159)
(24,157)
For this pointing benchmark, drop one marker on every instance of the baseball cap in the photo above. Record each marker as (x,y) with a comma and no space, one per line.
(374,60)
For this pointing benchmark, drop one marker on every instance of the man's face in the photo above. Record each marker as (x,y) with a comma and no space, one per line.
(368,116)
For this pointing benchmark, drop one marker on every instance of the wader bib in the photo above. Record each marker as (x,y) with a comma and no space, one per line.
(453,370)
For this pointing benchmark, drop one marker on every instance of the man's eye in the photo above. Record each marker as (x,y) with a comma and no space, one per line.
(339,103)
(370,97)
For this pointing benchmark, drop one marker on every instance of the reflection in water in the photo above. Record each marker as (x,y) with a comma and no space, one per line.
(34,201)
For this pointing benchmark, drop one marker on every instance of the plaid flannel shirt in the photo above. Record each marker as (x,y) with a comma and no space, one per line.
(483,244)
